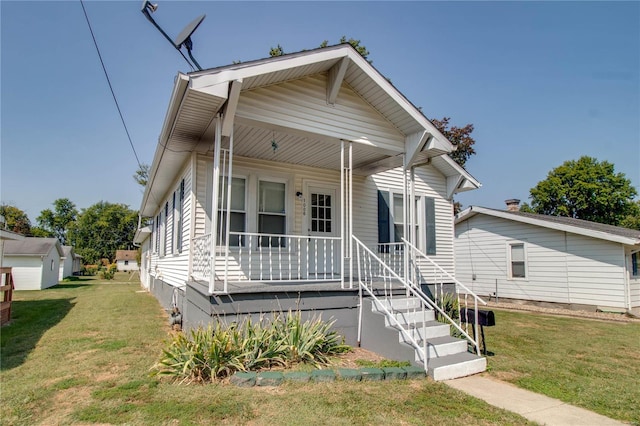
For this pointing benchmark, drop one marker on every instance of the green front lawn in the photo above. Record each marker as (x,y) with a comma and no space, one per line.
(81,352)
(593,364)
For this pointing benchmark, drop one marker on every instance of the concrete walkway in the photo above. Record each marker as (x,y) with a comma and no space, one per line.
(530,405)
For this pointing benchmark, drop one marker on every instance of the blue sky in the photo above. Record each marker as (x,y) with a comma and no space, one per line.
(543,83)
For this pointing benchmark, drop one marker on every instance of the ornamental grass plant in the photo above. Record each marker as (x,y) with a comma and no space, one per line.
(219,350)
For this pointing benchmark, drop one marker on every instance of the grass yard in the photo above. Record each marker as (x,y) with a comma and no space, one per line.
(80,353)
(588,363)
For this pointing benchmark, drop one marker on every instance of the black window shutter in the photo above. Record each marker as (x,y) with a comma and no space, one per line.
(383,217)
(430,209)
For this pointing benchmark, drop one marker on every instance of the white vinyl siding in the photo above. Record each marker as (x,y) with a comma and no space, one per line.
(301,104)
(429,183)
(560,267)
(172,266)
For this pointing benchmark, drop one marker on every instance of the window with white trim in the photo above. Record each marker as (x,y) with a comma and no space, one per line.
(272,216)
(517,260)
(238,213)
(634,264)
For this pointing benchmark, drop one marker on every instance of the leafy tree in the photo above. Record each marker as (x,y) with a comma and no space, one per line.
(142,175)
(460,137)
(57,221)
(585,189)
(279,51)
(632,221)
(16,220)
(102,229)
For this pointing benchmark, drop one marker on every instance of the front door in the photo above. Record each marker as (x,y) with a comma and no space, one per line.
(322,223)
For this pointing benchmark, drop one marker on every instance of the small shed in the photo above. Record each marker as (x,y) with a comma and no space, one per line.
(126,260)
(71,263)
(539,258)
(35,262)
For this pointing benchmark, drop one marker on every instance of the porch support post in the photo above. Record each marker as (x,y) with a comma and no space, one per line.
(350,214)
(342,223)
(412,218)
(228,208)
(214,201)
(405,197)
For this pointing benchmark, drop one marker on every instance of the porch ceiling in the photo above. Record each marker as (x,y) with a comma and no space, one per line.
(300,149)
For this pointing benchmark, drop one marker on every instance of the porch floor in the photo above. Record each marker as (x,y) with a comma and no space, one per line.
(240,287)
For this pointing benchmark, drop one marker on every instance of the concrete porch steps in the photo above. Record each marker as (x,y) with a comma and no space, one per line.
(447,356)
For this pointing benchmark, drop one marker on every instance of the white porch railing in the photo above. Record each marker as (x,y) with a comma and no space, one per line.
(269,257)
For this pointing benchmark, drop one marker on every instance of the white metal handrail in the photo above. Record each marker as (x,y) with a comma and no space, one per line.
(367,263)
(416,256)
(415,289)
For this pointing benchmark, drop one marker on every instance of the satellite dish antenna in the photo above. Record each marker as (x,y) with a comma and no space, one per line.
(183,39)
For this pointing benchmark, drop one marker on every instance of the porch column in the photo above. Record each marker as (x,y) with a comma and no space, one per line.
(228,209)
(214,201)
(346,211)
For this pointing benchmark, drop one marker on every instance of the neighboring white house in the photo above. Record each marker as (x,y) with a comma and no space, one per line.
(35,262)
(271,177)
(71,263)
(532,257)
(126,260)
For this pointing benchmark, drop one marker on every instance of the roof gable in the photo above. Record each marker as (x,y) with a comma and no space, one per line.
(566,224)
(32,246)
(126,254)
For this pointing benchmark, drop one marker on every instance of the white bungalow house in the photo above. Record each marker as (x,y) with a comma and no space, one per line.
(281,184)
(34,262)
(126,260)
(538,258)
(70,264)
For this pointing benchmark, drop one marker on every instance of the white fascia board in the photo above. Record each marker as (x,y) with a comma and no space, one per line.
(440,140)
(453,169)
(550,225)
(266,66)
(179,91)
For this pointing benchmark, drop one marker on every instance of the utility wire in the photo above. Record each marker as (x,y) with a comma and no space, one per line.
(110,86)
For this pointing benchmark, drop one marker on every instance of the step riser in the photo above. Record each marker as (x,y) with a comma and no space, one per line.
(419,334)
(443,350)
(399,303)
(411,317)
(454,371)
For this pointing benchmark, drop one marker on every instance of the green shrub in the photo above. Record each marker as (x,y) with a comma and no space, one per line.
(448,302)
(106,274)
(218,351)
(89,270)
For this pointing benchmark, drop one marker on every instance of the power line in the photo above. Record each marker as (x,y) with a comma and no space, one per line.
(95,43)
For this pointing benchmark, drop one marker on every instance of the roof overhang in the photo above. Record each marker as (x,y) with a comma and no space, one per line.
(141,235)
(472,211)
(198,97)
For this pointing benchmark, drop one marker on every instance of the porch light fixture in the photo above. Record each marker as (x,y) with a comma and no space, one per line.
(274,144)
(299,195)
(183,39)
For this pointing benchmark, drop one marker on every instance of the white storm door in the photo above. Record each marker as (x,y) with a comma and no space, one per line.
(322,222)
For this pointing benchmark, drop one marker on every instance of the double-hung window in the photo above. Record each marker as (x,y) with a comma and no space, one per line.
(272,216)
(634,264)
(517,260)
(238,213)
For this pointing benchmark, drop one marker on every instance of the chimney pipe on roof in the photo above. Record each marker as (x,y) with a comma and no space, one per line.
(513,205)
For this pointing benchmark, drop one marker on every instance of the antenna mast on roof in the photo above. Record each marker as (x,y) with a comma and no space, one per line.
(183,39)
